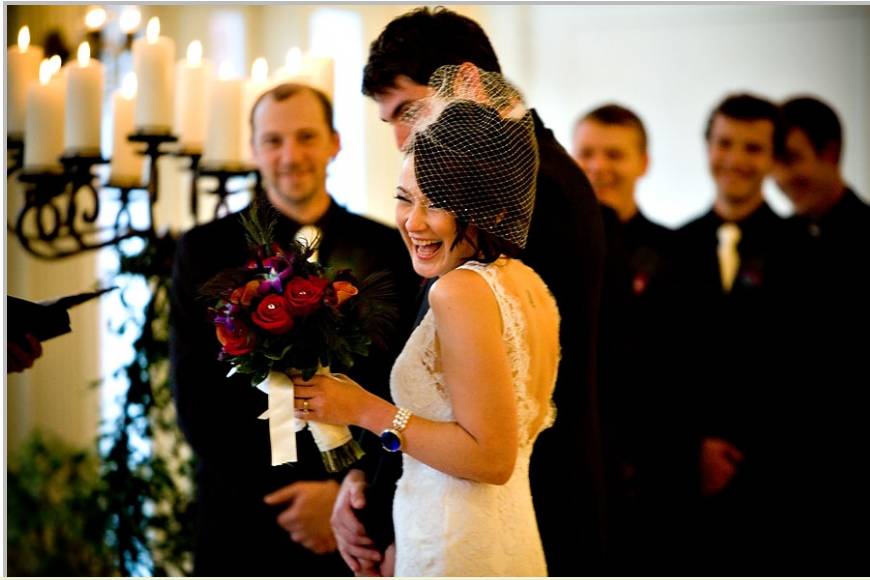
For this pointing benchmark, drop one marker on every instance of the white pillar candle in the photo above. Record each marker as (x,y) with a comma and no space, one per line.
(22,72)
(256,86)
(43,132)
(289,71)
(193,77)
(126,167)
(223,139)
(153,59)
(320,73)
(84,104)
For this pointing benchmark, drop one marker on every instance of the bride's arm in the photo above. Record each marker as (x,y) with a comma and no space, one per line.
(481,444)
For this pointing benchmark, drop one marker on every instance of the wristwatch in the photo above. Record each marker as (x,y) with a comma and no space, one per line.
(391,439)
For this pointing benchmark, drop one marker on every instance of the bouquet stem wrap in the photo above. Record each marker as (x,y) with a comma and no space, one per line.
(338,449)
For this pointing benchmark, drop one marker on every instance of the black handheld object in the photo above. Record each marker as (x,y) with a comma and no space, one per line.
(46,319)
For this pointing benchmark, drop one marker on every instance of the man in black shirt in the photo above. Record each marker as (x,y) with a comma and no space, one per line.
(254,519)
(722,263)
(820,489)
(610,145)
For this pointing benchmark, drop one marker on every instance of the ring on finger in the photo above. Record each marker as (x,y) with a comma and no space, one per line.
(305,408)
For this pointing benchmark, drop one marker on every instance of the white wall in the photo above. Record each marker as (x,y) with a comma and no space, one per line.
(673,64)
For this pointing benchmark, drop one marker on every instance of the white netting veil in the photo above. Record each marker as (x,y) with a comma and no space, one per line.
(474,150)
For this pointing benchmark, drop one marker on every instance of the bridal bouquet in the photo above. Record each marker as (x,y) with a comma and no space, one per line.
(283,314)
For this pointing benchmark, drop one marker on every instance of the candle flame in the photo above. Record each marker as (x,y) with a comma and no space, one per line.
(194,53)
(55,63)
(224,70)
(84,54)
(23,39)
(129,86)
(130,20)
(293,61)
(152,31)
(95,18)
(260,70)
(45,71)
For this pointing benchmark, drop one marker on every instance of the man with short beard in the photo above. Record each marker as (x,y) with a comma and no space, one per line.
(724,376)
(254,519)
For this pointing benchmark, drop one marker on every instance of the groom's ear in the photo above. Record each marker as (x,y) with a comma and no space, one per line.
(467,84)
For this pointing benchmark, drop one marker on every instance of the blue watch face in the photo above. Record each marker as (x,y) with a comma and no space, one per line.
(391,441)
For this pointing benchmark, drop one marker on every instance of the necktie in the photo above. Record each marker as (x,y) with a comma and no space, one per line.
(309,236)
(729,259)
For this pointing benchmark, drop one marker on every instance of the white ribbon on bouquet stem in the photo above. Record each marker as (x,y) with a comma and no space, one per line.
(283,423)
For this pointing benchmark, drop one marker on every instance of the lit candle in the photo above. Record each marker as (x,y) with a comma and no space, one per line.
(22,72)
(192,77)
(43,131)
(223,138)
(319,72)
(255,87)
(94,21)
(84,103)
(95,18)
(129,22)
(307,69)
(292,67)
(153,58)
(126,168)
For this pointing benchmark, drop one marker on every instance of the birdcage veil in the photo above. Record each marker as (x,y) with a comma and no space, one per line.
(474,150)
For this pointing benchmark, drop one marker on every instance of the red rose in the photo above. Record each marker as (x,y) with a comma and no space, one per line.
(305,294)
(344,290)
(246,293)
(273,314)
(237,341)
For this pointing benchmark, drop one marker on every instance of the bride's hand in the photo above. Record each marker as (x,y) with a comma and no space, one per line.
(335,399)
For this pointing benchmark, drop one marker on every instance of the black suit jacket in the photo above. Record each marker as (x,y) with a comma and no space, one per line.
(638,253)
(725,334)
(817,480)
(566,248)
(723,385)
(236,532)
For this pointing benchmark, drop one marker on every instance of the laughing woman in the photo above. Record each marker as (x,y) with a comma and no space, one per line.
(474,382)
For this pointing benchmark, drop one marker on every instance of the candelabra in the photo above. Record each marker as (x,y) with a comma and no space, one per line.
(63,215)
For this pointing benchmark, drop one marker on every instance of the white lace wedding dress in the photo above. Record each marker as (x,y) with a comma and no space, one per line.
(447,526)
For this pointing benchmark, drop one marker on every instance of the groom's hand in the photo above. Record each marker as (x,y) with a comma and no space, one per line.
(306,518)
(357,549)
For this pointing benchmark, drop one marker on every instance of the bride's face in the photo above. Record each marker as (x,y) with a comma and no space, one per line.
(428,232)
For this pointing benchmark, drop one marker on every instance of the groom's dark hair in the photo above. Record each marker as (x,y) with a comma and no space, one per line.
(416,43)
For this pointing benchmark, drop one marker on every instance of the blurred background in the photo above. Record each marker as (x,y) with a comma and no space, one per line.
(671,64)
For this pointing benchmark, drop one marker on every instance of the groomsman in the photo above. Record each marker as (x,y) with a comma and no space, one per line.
(565,246)
(610,145)
(254,519)
(822,507)
(722,265)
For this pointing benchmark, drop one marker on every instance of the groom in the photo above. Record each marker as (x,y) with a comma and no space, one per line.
(566,466)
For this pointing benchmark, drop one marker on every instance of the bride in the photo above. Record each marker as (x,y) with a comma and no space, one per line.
(474,382)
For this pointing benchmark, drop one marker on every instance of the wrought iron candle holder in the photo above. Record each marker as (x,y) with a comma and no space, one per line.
(223,174)
(14,154)
(195,156)
(62,208)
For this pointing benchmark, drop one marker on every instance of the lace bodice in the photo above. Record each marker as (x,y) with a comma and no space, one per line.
(448,526)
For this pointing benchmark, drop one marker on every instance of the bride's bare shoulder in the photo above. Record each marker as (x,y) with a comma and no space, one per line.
(458,288)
